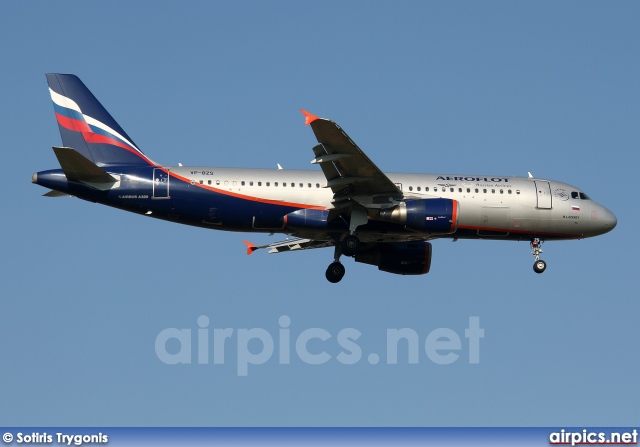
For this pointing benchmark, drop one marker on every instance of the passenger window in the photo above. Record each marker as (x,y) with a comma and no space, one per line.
(418,188)
(459,189)
(493,191)
(242,183)
(477,190)
(410,188)
(201,182)
(251,183)
(301,185)
(426,188)
(209,182)
(275,183)
(484,190)
(293,185)
(509,191)
(443,189)
(268,183)
(217,182)
(309,184)
(317,185)
(468,189)
(451,189)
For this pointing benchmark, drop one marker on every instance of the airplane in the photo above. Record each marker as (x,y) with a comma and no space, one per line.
(382,219)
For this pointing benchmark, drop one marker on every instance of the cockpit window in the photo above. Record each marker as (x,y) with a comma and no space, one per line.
(579,195)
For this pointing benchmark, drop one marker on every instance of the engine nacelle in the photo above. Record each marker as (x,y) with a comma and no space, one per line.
(438,216)
(402,258)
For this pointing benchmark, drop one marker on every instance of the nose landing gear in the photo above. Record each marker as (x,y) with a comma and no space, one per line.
(539,266)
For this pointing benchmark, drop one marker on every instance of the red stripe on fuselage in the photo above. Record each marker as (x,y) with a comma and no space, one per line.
(243,196)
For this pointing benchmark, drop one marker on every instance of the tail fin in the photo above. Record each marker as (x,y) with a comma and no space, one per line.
(87,127)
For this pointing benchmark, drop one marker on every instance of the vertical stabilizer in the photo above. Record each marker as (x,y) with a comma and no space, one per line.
(86,126)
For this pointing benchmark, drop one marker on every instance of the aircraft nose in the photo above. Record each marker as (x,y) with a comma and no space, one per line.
(608,220)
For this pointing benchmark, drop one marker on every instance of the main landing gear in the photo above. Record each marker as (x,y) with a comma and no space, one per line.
(335,272)
(348,247)
(539,266)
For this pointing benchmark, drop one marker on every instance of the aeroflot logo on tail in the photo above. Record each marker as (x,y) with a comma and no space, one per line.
(475,179)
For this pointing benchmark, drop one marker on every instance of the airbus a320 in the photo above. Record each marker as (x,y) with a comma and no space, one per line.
(383,219)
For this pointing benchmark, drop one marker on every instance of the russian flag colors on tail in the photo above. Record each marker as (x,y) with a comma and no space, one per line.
(86,126)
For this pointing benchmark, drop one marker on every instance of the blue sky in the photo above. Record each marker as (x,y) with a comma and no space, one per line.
(496,88)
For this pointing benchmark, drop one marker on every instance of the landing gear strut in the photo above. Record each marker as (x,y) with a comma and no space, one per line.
(539,266)
(349,246)
(336,270)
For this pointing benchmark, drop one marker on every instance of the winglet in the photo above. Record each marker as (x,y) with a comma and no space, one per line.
(250,247)
(309,117)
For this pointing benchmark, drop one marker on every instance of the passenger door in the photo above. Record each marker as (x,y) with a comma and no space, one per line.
(543,194)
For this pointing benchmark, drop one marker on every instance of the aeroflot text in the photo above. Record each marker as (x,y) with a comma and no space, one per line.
(475,179)
(256,346)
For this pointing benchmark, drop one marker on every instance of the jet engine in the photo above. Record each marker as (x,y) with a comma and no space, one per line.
(438,216)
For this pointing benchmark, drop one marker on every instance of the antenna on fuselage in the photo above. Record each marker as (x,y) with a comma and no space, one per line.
(530,176)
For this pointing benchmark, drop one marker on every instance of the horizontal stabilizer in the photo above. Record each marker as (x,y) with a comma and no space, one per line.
(77,167)
(55,194)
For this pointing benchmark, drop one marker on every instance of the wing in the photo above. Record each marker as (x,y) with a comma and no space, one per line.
(289,245)
(350,174)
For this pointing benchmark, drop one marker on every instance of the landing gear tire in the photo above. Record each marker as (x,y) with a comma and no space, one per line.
(350,245)
(539,266)
(335,272)
(536,246)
